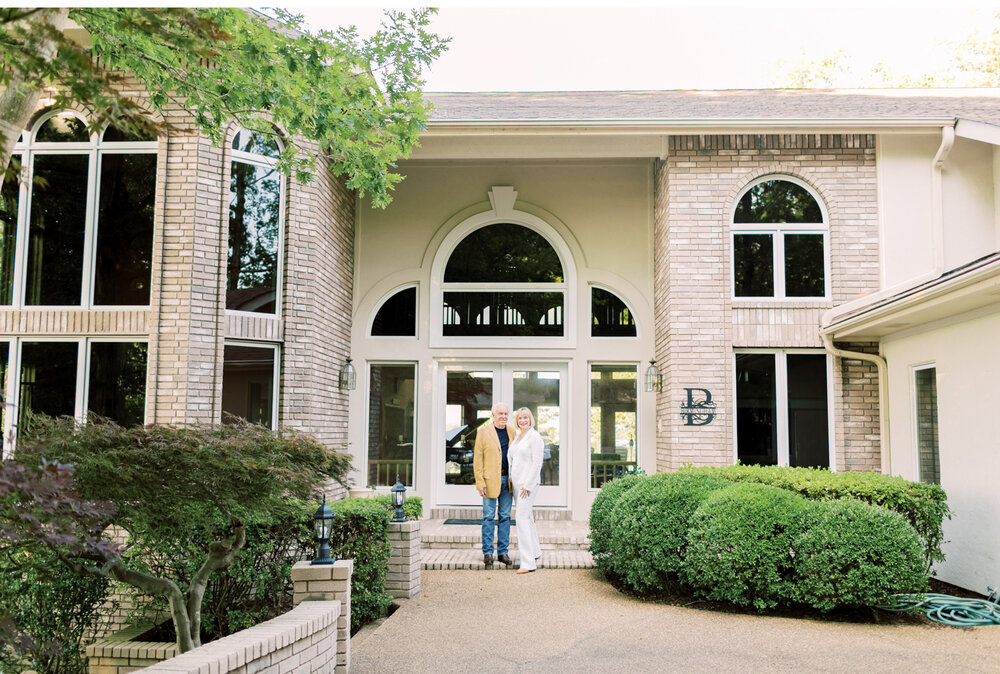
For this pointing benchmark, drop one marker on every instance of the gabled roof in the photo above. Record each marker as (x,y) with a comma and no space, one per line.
(743,106)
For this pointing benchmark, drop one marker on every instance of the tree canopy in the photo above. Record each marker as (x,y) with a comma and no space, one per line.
(356,102)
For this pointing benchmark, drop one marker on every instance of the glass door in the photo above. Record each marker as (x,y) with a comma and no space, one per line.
(470,392)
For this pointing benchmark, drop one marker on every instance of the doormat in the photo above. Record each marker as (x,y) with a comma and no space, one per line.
(455,520)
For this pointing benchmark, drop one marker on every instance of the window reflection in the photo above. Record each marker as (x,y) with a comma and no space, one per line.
(469,400)
(754,265)
(539,392)
(610,316)
(613,415)
(502,253)
(125,229)
(397,317)
(117,385)
(506,314)
(390,426)
(48,379)
(756,426)
(248,374)
(9,200)
(254,211)
(56,231)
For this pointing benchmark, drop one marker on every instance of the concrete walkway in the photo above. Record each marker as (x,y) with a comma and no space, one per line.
(571,620)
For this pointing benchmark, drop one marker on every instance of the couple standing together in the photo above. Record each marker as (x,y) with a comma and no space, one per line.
(508,461)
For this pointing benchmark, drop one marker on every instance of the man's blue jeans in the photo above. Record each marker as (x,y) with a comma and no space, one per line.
(490,506)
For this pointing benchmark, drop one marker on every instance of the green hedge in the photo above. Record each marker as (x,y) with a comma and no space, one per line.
(849,553)
(360,532)
(752,544)
(923,505)
(649,529)
(739,542)
(602,527)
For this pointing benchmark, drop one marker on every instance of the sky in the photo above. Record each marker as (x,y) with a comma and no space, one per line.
(566,48)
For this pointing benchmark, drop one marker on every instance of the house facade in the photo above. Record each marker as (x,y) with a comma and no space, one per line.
(663,278)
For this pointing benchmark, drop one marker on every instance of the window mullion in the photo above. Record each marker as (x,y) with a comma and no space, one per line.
(82,358)
(778,251)
(25,196)
(781,403)
(90,232)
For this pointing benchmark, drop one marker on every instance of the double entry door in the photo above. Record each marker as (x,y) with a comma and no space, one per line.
(471,389)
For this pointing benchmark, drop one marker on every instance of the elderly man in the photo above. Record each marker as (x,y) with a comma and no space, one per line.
(489,463)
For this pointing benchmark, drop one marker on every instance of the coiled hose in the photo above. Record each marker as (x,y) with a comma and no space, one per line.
(949,610)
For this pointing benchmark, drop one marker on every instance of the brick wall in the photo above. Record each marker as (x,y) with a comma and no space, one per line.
(698,324)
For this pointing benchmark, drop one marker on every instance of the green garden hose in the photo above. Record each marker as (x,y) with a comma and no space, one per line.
(944,608)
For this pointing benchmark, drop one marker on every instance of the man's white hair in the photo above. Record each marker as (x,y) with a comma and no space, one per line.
(496,406)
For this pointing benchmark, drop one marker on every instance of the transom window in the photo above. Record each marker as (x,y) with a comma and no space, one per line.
(76,217)
(779,241)
(397,317)
(256,208)
(504,280)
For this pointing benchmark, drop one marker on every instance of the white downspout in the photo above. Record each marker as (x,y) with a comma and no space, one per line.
(937,200)
(883,395)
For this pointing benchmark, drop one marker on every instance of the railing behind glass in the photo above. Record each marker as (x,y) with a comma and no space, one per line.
(382,472)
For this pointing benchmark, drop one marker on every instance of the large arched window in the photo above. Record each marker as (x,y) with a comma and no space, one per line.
(85,213)
(779,241)
(256,207)
(504,280)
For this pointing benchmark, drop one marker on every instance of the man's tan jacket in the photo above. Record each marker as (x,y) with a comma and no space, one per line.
(487,456)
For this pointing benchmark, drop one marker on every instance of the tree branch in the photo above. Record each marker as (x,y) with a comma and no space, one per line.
(220,556)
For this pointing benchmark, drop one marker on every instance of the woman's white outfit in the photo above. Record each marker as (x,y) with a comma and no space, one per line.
(525,459)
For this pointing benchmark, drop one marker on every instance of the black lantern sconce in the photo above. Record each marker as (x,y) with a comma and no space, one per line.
(348,377)
(323,527)
(654,380)
(398,496)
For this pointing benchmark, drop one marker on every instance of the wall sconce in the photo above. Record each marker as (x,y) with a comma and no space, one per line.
(348,377)
(654,380)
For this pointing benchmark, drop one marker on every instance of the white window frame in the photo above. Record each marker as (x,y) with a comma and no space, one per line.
(915,417)
(279,278)
(568,288)
(82,395)
(385,298)
(778,232)
(781,401)
(379,362)
(275,379)
(94,149)
(638,410)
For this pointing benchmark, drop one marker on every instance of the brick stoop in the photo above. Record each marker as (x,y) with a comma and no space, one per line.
(565,545)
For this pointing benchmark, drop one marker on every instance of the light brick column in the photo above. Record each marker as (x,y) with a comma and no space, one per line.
(324,583)
(403,580)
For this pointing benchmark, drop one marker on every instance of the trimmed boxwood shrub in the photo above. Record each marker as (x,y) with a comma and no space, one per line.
(649,529)
(361,533)
(602,525)
(739,544)
(923,505)
(848,553)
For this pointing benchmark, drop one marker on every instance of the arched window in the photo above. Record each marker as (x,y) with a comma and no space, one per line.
(397,317)
(504,280)
(256,206)
(609,315)
(779,241)
(74,255)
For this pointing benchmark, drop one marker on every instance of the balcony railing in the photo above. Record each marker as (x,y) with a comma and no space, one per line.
(383,472)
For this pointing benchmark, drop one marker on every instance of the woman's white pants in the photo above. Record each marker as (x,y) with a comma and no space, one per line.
(527,534)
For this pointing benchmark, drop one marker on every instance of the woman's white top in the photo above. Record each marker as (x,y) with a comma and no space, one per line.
(525,459)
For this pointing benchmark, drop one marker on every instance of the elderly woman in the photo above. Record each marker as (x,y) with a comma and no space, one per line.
(525,457)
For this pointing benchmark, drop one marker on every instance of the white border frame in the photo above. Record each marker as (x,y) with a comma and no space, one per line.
(778,231)
(781,401)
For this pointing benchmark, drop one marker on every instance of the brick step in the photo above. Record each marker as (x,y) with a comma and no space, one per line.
(472,560)
(556,535)
(475,513)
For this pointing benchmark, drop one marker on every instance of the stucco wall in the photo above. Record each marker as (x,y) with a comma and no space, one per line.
(965,356)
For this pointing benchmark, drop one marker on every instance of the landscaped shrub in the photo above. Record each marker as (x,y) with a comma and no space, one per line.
(649,529)
(55,609)
(739,544)
(923,505)
(360,532)
(602,525)
(413,506)
(849,553)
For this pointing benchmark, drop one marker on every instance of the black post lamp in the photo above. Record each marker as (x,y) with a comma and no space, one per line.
(323,527)
(398,496)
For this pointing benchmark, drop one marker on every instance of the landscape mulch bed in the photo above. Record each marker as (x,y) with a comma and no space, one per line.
(856,614)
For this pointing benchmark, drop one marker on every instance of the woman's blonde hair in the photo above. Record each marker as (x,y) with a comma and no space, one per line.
(524,410)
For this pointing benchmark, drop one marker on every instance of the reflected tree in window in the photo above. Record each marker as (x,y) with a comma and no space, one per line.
(610,316)
(117,383)
(754,265)
(48,379)
(9,201)
(504,252)
(777,201)
(248,375)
